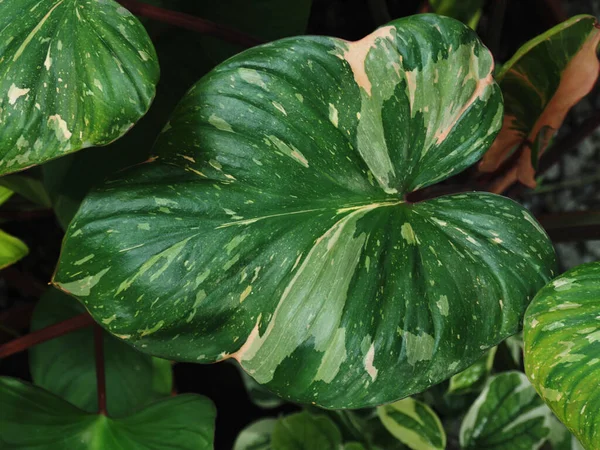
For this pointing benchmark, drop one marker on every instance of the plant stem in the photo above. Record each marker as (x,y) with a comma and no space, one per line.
(191,23)
(100,373)
(45,334)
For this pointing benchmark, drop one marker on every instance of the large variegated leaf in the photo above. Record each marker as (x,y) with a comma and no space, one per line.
(271,227)
(507,415)
(66,365)
(73,74)
(540,84)
(562,350)
(32,418)
(414,424)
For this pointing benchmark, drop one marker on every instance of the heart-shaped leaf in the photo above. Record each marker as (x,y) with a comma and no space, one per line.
(508,414)
(66,365)
(414,424)
(32,418)
(541,83)
(272,227)
(73,74)
(304,431)
(562,349)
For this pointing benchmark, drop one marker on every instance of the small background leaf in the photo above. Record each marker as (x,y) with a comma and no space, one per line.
(473,378)
(256,436)
(413,423)
(507,415)
(304,431)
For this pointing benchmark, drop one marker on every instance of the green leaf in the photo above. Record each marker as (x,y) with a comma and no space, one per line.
(543,80)
(515,347)
(414,424)
(258,394)
(5,194)
(304,431)
(73,73)
(561,438)
(66,365)
(256,436)
(467,11)
(354,446)
(32,418)
(562,353)
(11,249)
(27,186)
(507,415)
(470,380)
(285,242)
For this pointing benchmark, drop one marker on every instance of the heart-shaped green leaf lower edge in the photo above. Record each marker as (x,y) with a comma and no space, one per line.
(32,418)
(66,365)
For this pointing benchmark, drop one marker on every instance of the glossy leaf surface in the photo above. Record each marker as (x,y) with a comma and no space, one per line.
(507,415)
(32,418)
(414,424)
(562,349)
(73,74)
(304,431)
(66,365)
(540,84)
(271,227)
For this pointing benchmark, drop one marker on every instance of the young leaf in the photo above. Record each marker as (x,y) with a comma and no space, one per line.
(66,365)
(467,11)
(74,74)
(11,249)
(562,356)
(413,423)
(304,431)
(472,378)
(256,436)
(508,414)
(31,417)
(271,227)
(541,83)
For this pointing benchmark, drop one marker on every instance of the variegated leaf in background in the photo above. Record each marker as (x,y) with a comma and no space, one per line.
(560,438)
(540,84)
(32,418)
(562,350)
(507,415)
(11,248)
(66,365)
(272,226)
(73,74)
(256,436)
(472,378)
(413,423)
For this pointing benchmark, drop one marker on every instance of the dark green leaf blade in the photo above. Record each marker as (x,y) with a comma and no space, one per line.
(561,335)
(73,74)
(304,431)
(66,365)
(507,415)
(265,201)
(32,418)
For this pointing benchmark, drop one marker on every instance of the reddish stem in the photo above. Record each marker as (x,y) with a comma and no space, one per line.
(45,334)
(100,373)
(191,23)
